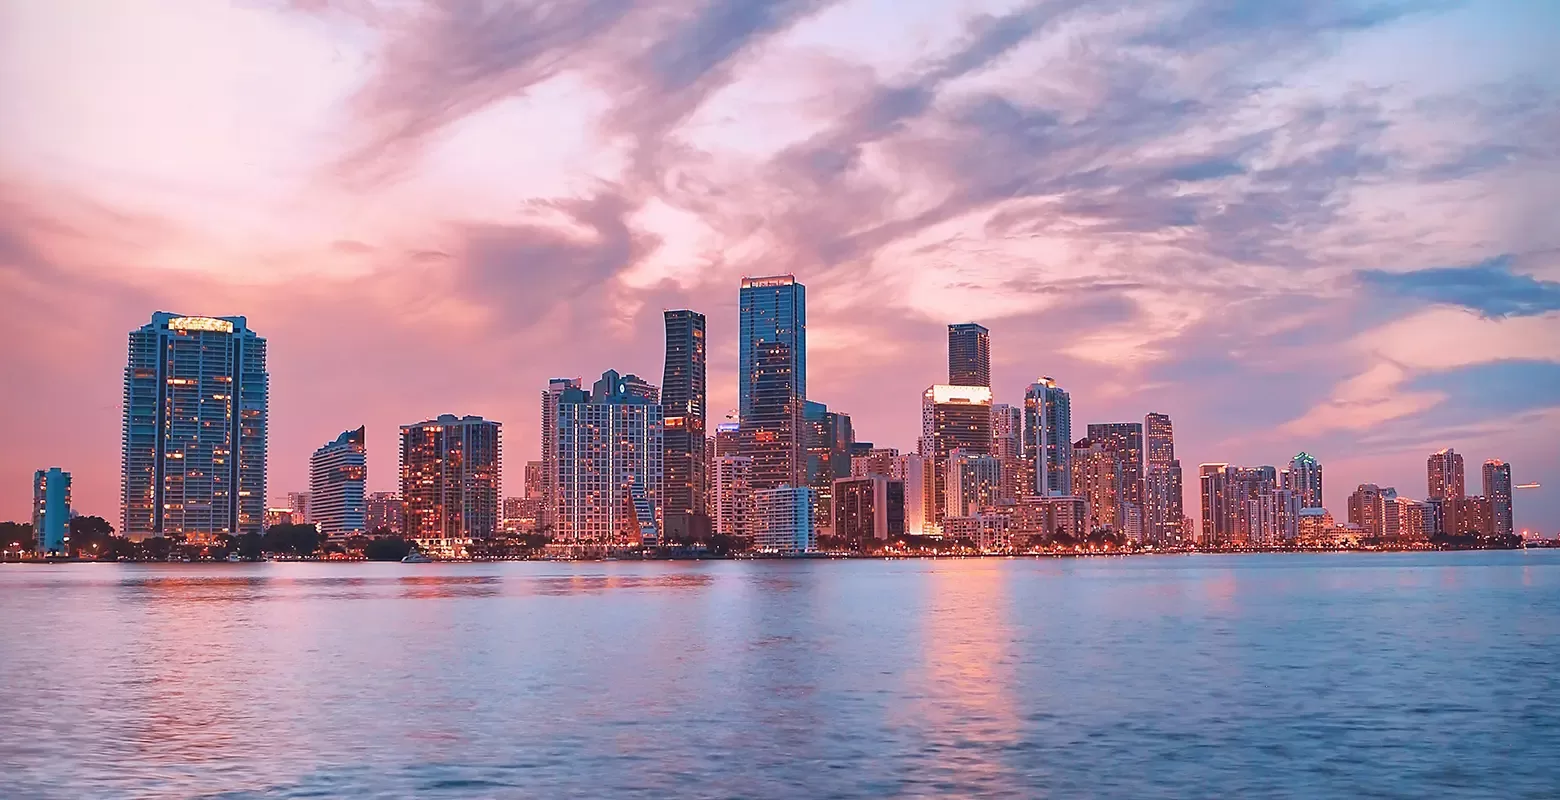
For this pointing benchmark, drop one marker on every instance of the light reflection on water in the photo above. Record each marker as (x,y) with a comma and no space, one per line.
(1395,675)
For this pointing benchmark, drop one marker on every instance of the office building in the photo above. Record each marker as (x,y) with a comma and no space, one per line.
(451,470)
(1304,478)
(51,511)
(870,507)
(876,461)
(684,407)
(974,482)
(610,465)
(338,503)
(520,514)
(953,417)
(535,480)
(772,378)
(1048,442)
(1007,445)
(731,492)
(1216,518)
(782,520)
(1099,479)
(385,513)
(196,400)
(1444,469)
(551,397)
(728,438)
(969,355)
(298,504)
(1497,488)
(1124,441)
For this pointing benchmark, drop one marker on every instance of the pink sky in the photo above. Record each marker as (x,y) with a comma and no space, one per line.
(1289,225)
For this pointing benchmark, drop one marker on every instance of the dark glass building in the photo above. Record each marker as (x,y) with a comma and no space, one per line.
(969,355)
(683,404)
(772,375)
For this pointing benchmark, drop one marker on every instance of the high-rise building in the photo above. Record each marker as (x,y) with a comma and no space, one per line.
(1217,521)
(1472,516)
(535,480)
(1007,445)
(51,511)
(1046,517)
(969,355)
(772,378)
(1497,488)
(870,507)
(953,417)
(876,461)
(337,473)
(973,481)
(550,399)
(280,516)
(826,437)
(196,403)
(731,492)
(1163,490)
(298,504)
(1410,520)
(451,469)
(1097,477)
(1124,440)
(728,438)
(385,513)
(1444,469)
(684,406)
(1367,509)
(610,466)
(1304,478)
(782,520)
(920,492)
(1048,441)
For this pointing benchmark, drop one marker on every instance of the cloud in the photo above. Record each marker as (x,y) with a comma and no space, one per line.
(1490,287)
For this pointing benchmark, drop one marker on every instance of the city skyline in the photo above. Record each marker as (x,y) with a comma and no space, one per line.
(365,230)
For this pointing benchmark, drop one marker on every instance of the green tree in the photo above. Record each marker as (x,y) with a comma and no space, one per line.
(90,536)
(386,548)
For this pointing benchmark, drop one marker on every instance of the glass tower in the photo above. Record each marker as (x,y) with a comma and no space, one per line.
(969,355)
(683,404)
(194,436)
(772,371)
(1048,437)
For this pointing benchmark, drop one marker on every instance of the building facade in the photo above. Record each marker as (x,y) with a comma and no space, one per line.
(451,469)
(1048,442)
(1304,478)
(298,504)
(732,494)
(827,437)
(969,355)
(684,408)
(385,513)
(51,511)
(1497,488)
(338,473)
(782,520)
(973,481)
(1444,470)
(876,461)
(1007,445)
(870,507)
(1044,518)
(920,492)
(551,397)
(610,465)
(1164,499)
(196,409)
(953,417)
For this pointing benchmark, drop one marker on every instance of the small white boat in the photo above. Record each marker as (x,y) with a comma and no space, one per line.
(416,557)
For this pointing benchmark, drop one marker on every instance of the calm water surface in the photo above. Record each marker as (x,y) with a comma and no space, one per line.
(1407,675)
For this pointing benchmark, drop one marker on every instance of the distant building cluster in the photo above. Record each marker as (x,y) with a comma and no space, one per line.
(629,464)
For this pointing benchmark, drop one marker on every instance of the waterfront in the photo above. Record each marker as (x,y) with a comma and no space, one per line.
(1408,674)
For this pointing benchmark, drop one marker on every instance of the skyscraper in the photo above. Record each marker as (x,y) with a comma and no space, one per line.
(953,417)
(535,480)
(772,373)
(1125,441)
(196,404)
(826,437)
(610,466)
(1163,489)
(337,473)
(51,511)
(1097,478)
(877,461)
(1497,489)
(920,492)
(1304,478)
(1007,441)
(1217,519)
(683,404)
(298,504)
(1048,438)
(969,355)
(1445,472)
(450,478)
(869,507)
(1367,508)
(550,399)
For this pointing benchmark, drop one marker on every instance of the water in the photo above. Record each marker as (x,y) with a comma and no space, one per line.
(1404,675)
